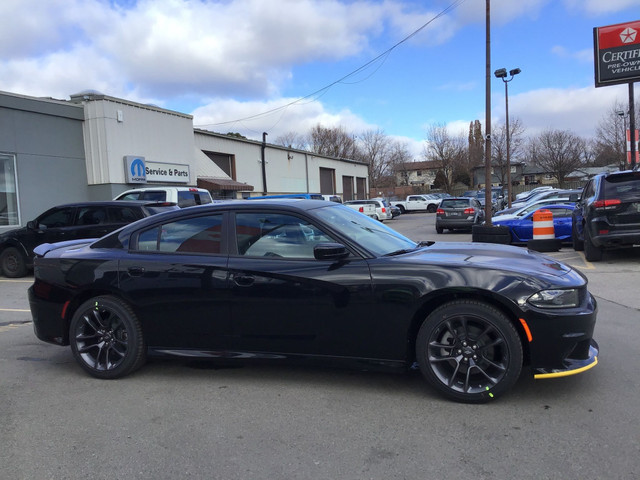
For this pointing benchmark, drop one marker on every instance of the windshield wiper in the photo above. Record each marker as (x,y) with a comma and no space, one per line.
(409,250)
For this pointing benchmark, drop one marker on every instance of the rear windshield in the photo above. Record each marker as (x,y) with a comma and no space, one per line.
(624,184)
(188,199)
(454,203)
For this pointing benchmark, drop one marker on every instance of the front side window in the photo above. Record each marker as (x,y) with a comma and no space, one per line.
(8,195)
(197,235)
(57,217)
(276,235)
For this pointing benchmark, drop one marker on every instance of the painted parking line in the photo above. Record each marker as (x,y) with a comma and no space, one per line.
(15,281)
(14,310)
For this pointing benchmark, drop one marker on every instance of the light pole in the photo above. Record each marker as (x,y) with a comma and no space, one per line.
(502,73)
(624,137)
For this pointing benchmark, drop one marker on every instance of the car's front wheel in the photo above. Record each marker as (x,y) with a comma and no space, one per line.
(106,338)
(469,351)
(13,263)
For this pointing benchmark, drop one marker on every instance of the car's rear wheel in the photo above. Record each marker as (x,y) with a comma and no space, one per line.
(439,229)
(578,244)
(431,208)
(469,351)
(106,338)
(591,252)
(13,263)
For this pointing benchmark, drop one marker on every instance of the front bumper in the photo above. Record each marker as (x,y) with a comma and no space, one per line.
(572,366)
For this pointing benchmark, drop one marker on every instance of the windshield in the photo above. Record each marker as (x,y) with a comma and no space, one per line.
(369,233)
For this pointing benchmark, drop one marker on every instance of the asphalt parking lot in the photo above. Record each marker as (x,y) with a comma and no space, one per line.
(177,419)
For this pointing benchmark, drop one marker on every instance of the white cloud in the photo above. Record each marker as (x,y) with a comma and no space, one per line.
(578,110)
(598,7)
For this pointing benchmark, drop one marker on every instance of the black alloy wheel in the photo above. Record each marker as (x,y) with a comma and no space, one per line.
(13,263)
(469,351)
(431,208)
(106,338)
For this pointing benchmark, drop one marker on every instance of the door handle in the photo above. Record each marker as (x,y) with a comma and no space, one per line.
(244,280)
(135,271)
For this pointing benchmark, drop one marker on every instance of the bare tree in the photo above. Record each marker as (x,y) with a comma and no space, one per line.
(332,142)
(559,152)
(475,156)
(499,147)
(450,151)
(611,142)
(292,140)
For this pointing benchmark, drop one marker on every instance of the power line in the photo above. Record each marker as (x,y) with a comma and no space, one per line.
(323,90)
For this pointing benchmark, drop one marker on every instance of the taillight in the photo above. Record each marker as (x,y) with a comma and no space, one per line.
(361,209)
(384,210)
(439,211)
(470,211)
(612,203)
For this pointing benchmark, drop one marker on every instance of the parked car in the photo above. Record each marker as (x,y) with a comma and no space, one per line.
(366,208)
(182,196)
(458,212)
(530,193)
(312,280)
(69,222)
(607,215)
(521,226)
(382,213)
(307,196)
(332,198)
(395,211)
(551,194)
(417,203)
(516,212)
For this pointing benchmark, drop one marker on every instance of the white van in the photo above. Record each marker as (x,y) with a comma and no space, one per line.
(183,196)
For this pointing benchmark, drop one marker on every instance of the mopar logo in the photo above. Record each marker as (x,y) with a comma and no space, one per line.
(135,169)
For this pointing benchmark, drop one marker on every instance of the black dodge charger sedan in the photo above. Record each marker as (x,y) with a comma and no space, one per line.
(312,280)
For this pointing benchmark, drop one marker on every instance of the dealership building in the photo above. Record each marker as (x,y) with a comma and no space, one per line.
(93,147)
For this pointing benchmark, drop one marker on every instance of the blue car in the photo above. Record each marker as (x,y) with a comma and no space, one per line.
(522,227)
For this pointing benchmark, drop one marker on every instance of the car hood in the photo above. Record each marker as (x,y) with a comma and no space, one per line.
(514,261)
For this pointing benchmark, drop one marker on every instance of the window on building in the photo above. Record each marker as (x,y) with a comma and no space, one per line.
(9,214)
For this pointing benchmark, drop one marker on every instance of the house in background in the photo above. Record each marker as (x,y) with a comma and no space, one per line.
(418,174)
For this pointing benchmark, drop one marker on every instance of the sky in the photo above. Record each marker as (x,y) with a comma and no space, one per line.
(281,66)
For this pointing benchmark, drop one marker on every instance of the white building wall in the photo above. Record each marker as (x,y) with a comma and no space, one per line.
(287,170)
(115,128)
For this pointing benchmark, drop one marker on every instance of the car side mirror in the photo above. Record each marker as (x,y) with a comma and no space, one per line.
(330,251)
(32,225)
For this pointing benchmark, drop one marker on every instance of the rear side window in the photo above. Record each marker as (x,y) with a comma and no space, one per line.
(92,216)
(198,235)
(124,214)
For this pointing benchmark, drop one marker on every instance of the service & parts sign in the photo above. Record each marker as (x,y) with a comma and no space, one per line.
(617,53)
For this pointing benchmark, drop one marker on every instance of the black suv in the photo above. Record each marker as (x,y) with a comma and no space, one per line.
(70,222)
(607,215)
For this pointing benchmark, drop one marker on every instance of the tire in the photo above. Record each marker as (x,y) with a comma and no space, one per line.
(591,252)
(469,351)
(106,338)
(402,210)
(431,208)
(500,234)
(439,229)
(578,245)
(12,263)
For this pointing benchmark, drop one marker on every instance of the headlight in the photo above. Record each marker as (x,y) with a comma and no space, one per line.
(555,298)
